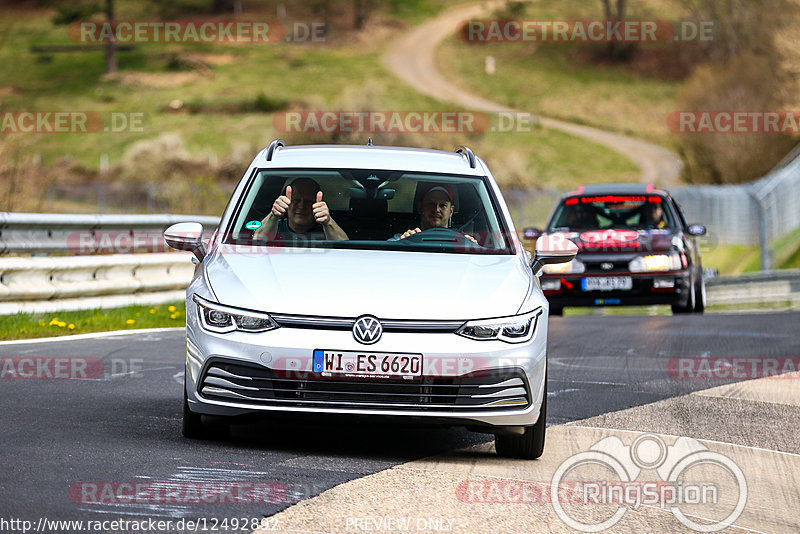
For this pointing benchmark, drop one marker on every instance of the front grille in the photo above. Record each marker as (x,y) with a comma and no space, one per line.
(253,384)
(346,323)
(617,267)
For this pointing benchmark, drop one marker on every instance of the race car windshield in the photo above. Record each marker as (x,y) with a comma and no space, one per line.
(613,211)
(369,209)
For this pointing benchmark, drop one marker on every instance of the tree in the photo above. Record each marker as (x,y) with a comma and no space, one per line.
(615,50)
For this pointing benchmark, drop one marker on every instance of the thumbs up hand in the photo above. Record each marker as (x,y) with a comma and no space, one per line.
(321,213)
(282,202)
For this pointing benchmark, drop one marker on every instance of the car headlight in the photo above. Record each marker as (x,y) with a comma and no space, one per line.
(223,319)
(570,267)
(513,329)
(656,262)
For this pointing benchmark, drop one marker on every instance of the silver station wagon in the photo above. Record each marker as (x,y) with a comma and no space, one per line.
(373,282)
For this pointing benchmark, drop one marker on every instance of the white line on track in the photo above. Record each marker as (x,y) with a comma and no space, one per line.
(92,335)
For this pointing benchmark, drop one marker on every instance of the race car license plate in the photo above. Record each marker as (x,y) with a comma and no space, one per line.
(607,283)
(374,364)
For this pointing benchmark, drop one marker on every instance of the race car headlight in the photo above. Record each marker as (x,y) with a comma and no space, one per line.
(513,329)
(574,266)
(223,319)
(655,262)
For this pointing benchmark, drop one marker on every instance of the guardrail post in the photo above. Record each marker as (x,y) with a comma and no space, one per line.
(766,253)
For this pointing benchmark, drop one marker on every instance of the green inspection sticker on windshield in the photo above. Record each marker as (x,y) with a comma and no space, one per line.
(253,225)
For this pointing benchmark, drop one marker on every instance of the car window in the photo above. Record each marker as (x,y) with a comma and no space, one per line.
(612,211)
(373,208)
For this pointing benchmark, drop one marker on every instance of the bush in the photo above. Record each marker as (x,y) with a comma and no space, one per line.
(746,83)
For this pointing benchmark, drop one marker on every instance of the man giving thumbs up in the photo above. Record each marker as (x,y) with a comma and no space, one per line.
(300,211)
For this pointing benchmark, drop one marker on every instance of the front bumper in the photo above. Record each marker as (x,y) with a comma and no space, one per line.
(464,382)
(645,289)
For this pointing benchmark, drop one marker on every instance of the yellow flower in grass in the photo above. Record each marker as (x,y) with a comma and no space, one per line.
(138,314)
(42,323)
(171,309)
(174,315)
(152,310)
(61,324)
(71,326)
(54,321)
(130,321)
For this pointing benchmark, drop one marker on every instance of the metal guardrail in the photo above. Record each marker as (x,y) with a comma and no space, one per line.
(83,277)
(38,284)
(763,288)
(76,234)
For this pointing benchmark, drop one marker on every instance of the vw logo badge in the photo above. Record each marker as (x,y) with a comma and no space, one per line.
(367,330)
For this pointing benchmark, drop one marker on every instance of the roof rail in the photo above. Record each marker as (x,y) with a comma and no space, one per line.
(273,146)
(470,156)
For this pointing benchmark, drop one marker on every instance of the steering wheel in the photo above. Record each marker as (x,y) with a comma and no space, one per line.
(441,235)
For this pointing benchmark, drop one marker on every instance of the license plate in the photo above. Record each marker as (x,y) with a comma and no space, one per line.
(607,283)
(373,364)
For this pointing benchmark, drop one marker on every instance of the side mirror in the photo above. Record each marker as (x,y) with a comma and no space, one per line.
(531,233)
(696,229)
(186,236)
(553,249)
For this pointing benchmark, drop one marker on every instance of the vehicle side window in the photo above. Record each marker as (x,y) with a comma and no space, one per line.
(681,218)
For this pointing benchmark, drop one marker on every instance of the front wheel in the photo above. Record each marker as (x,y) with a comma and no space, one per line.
(700,296)
(691,301)
(193,427)
(529,445)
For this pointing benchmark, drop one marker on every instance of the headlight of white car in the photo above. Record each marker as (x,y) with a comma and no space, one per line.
(655,262)
(223,319)
(512,329)
(570,267)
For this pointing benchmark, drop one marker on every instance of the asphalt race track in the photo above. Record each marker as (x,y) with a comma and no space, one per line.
(64,441)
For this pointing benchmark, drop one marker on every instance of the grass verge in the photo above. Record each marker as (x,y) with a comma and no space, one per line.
(28,326)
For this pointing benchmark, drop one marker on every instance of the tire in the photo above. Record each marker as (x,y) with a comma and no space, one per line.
(193,427)
(700,296)
(691,302)
(530,445)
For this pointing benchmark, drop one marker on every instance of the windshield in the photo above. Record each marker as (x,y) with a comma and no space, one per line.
(612,211)
(369,209)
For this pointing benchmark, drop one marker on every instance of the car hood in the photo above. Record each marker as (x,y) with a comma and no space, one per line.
(620,240)
(386,284)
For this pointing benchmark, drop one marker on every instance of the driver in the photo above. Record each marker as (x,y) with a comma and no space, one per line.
(653,215)
(435,208)
(301,211)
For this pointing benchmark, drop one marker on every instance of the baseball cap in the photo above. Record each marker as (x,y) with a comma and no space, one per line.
(430,188)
